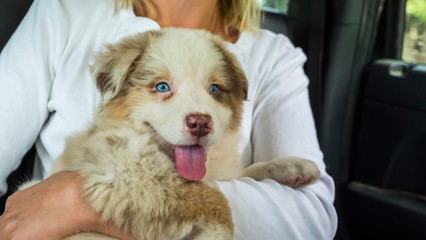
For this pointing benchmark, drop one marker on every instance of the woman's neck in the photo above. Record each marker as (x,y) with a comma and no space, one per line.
(193,14)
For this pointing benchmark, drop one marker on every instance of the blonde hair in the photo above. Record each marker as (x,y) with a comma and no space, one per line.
(242,15)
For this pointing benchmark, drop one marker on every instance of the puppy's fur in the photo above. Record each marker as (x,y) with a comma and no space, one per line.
(127,156)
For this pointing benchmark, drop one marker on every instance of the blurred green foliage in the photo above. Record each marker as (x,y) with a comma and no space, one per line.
(417,9)
(414,46)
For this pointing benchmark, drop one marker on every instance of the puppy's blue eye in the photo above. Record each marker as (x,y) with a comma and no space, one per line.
(163,87)
(214,89)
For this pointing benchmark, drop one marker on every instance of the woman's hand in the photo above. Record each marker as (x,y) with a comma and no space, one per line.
(52,209)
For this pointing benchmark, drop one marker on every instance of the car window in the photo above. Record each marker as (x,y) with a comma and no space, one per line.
(277,5)
(414,44)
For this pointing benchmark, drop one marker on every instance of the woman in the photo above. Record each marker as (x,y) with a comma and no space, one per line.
(44,70)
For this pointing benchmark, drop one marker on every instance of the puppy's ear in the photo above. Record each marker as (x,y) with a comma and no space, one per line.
(113,66)
(234,70)
(237,73)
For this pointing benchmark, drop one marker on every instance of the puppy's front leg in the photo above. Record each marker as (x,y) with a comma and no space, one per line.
(291,171)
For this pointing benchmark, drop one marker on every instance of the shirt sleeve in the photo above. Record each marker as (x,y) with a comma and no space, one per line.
(283,125)
(26,73)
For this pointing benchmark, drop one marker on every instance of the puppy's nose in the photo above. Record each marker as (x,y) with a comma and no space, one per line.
(199,125)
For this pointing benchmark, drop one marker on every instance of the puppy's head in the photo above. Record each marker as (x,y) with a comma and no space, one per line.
(183,84)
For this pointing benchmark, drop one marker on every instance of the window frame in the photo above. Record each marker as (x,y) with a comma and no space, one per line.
(390,35)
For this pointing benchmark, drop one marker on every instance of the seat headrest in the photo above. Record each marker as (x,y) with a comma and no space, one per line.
(276,21)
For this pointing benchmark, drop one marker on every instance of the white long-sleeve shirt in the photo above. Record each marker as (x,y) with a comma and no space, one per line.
(47,93)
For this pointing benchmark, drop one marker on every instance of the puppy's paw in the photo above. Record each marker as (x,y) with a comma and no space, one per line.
(295,172)
(291,171)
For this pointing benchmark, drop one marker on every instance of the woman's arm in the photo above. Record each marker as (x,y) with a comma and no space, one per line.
(26,75)
(268,210)
(52,209)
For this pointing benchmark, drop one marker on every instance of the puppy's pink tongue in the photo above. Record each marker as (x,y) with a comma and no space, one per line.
(190,162)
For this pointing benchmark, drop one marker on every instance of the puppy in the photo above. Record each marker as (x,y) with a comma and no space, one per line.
(169,117)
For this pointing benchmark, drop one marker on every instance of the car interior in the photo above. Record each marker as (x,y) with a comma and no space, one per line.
(369,105)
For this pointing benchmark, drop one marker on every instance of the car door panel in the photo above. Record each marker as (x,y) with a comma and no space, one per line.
(387,191)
